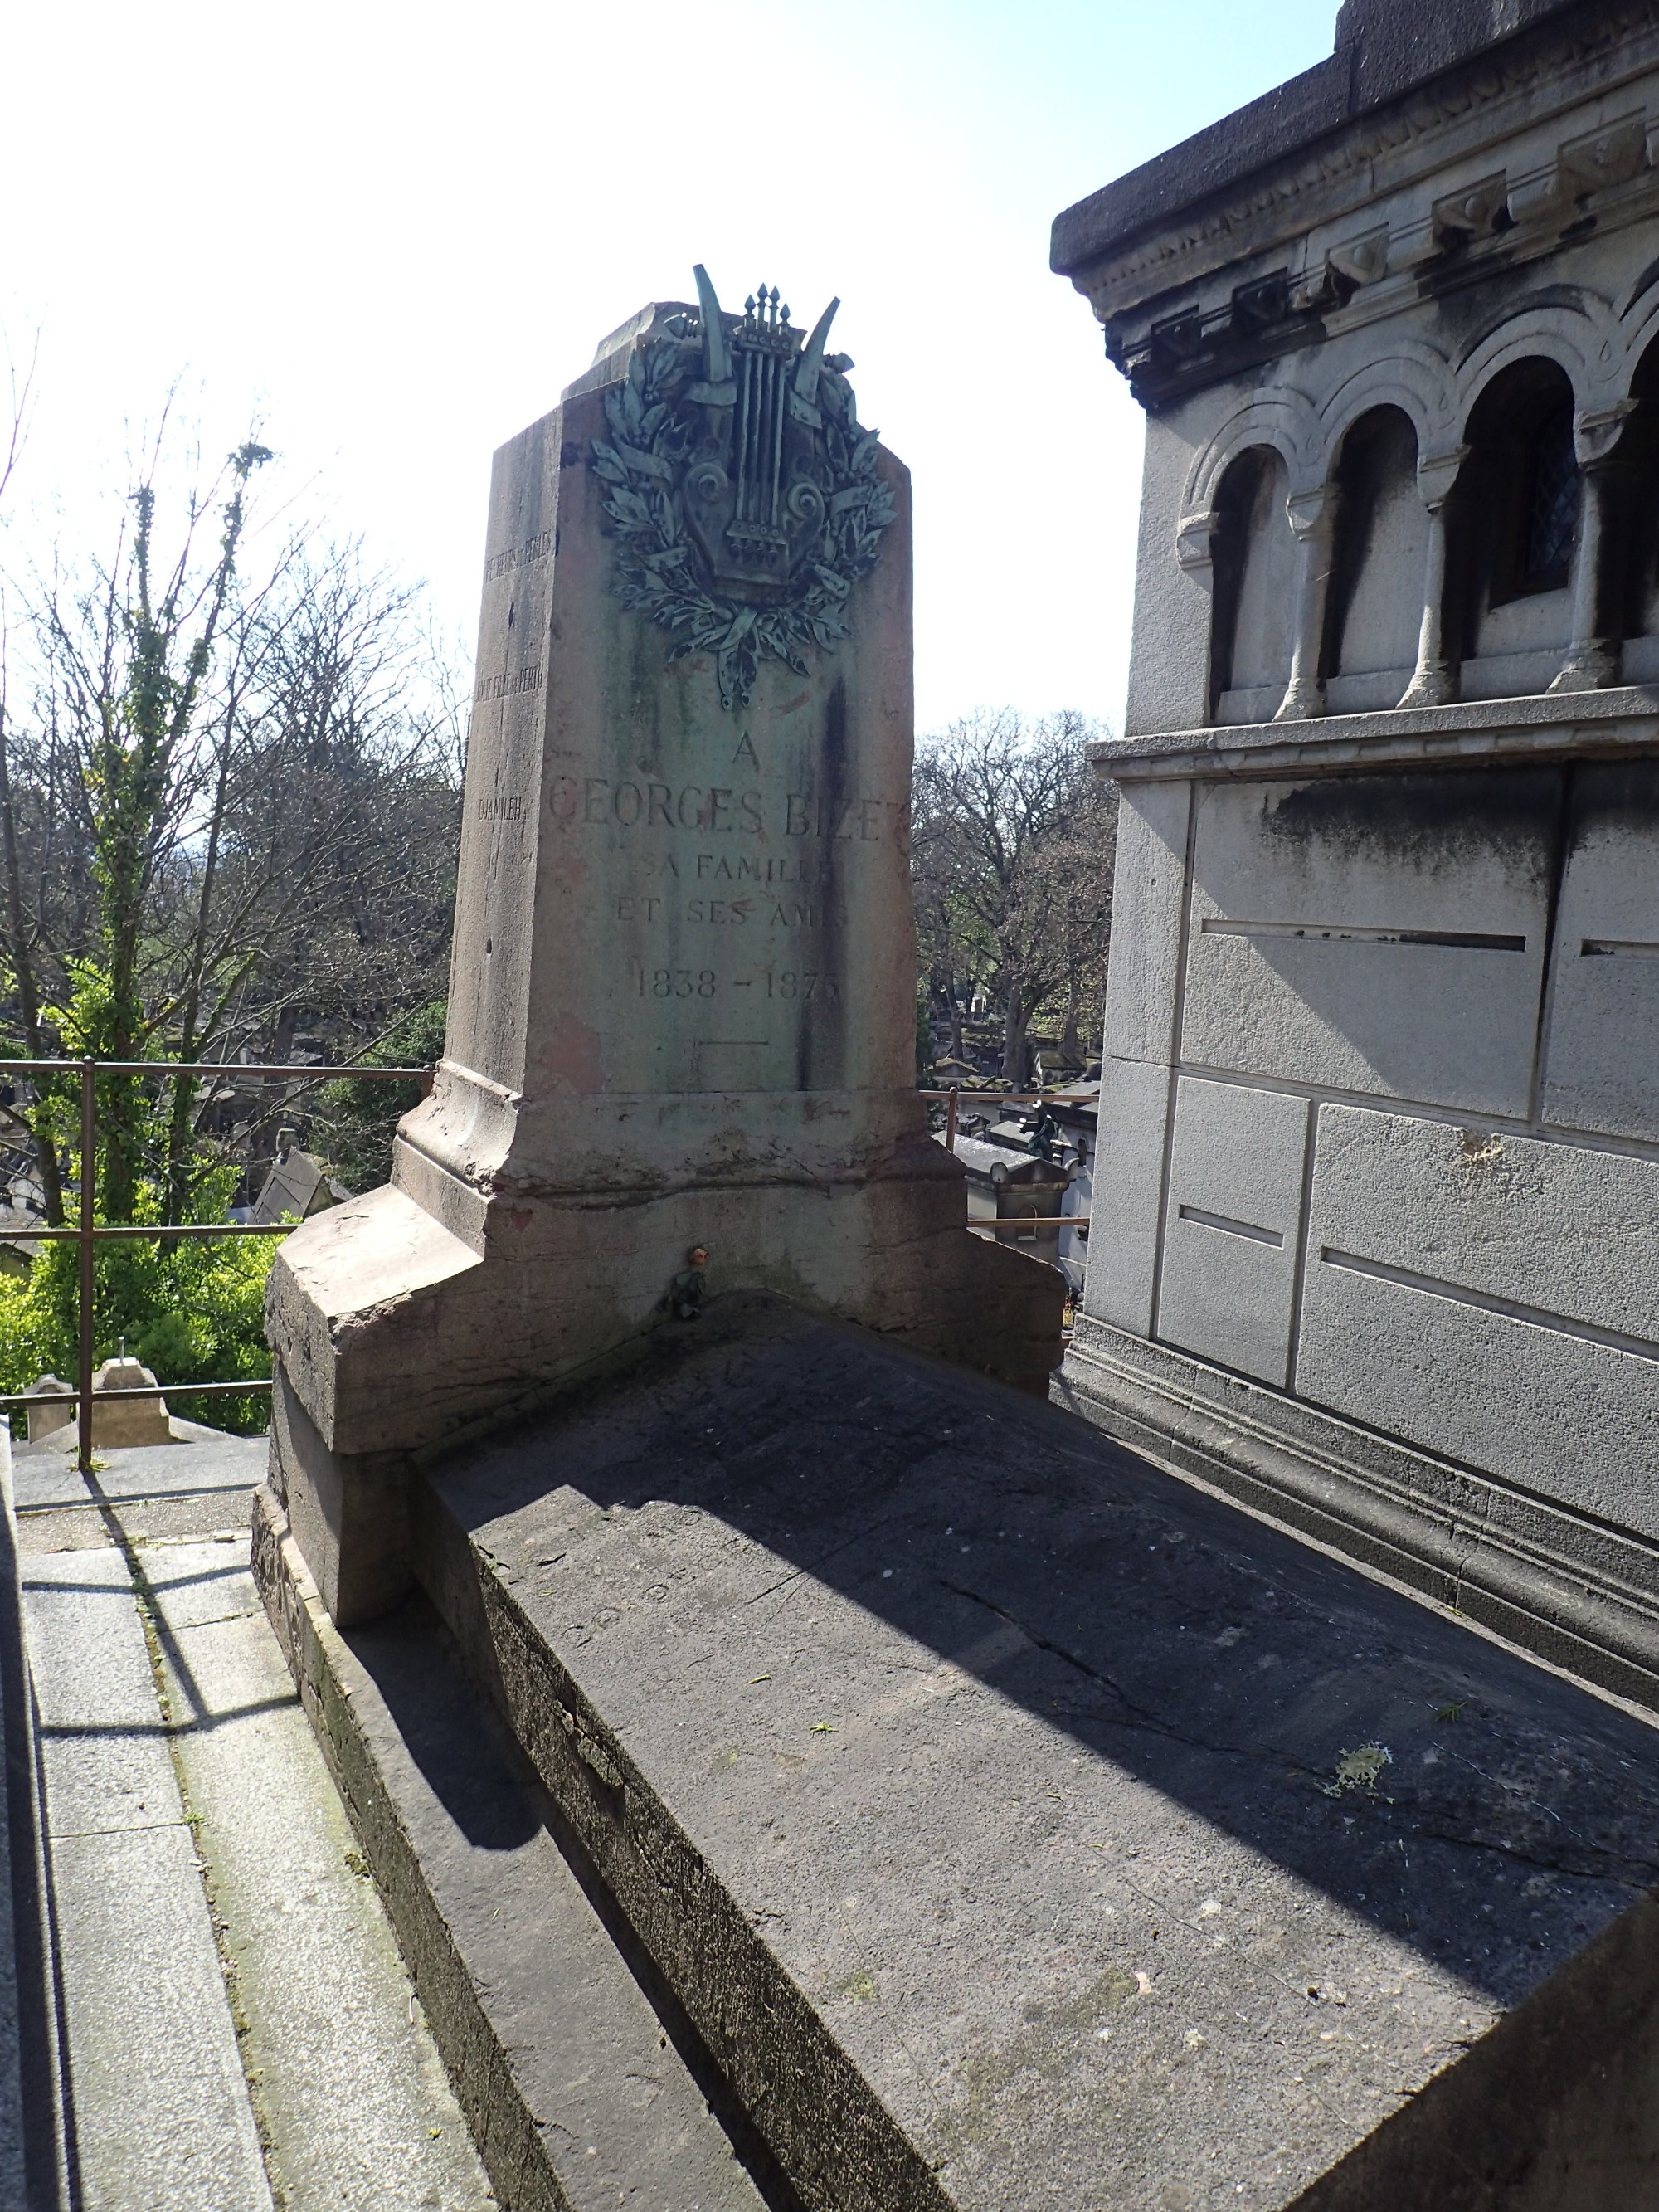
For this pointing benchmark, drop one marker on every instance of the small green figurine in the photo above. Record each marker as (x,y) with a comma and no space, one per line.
(690,1287)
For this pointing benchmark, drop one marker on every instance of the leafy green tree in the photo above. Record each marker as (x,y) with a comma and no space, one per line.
(139,702)
(193,1309)
(235,793)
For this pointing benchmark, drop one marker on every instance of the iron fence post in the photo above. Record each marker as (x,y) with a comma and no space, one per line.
(89,1190)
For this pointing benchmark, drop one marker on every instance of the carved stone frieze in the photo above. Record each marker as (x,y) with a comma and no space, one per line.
(1565,73)
(1363,259)
(1146,262)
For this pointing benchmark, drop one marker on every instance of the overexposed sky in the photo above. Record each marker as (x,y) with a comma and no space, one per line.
(391,234)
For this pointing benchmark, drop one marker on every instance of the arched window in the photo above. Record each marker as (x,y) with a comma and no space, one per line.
(1376,605)
(1517,519)
(1253,609)
(1552,511)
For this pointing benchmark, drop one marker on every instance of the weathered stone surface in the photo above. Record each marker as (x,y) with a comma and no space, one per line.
(682,1012)
(1404,715)
(55,1410)
(160,2114)
(356,2110)
(1383,49)
(577,2093)
(121,1421)
(1021,1827)
(31,2134)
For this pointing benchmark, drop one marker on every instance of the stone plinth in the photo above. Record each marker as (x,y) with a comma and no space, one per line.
(119,1421)
(682,1004)
(54,1408)
(1022,1830)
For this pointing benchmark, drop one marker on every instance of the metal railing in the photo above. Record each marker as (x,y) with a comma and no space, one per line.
(87,1235)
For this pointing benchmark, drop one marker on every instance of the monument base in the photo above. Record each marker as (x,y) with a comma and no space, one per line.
(1014,1825)
(1581,1595)
(391,1332)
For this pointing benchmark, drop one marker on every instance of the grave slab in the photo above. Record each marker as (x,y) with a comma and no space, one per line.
(1021,1827)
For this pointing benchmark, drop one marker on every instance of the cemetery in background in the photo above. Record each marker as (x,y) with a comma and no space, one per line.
(230,797)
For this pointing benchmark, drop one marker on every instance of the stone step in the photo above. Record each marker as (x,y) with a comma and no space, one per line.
(238,2027)
(155,2106)
(351,2094)
(33,2171)
(1024,1829)
(583,2094)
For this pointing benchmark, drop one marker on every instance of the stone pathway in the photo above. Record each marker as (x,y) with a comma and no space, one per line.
(238,2030)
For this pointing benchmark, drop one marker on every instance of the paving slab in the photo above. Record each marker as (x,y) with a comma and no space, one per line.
(160,2117)
(581,2094)
(200,1461)
(32,2170)
(358,2111)
(1023,1827)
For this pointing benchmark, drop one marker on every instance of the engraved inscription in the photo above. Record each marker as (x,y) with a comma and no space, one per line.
(519,556)
(722,808)
(509,686)
(800,985)
(507,808)
(717,886)
(717,913)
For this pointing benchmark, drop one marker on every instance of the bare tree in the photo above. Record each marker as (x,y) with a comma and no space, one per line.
(231,812)
(1013,847)
(21,931)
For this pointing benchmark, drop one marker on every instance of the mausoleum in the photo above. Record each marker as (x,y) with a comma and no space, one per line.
(1379,1140)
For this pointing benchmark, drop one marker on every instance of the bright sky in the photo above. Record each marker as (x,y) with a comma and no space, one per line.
(392,233)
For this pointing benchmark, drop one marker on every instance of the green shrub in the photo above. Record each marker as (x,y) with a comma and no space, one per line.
(192,1312)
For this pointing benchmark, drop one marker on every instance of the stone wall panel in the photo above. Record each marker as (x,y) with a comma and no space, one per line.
(1374,934)
(1231,1225)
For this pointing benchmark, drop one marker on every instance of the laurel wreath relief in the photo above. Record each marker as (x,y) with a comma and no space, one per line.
(657,568)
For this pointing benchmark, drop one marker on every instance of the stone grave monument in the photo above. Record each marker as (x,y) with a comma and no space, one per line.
(682,1006)
(1379,1134)
(945,1810)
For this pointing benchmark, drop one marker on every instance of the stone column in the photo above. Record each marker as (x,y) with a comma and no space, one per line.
(682,1009)
(1313,518)
(1592,661)
(1434,680)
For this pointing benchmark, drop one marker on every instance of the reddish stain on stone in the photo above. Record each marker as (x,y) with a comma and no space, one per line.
(572,1055)
(520,1218)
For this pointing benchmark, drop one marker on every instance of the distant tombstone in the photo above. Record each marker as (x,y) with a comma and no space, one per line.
(123,1421)
(53,1409)
(682,1012)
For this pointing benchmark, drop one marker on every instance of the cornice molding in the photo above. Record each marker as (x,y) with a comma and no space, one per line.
(1606,724)
(1153,262)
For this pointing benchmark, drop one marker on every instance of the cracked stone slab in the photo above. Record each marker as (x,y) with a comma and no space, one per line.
(1022,1827)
